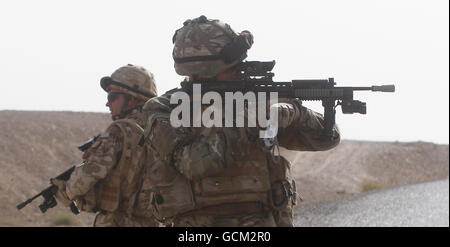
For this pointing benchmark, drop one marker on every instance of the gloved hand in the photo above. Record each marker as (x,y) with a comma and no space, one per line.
(60,194)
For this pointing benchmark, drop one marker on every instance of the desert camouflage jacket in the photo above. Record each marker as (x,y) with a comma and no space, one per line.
(197,168)
(108,178)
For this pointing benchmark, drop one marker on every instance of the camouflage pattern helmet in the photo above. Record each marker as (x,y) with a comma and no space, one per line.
(133,80)
(205,47)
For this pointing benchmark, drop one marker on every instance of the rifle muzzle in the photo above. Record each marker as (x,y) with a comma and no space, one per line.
(21,205)
(384,88)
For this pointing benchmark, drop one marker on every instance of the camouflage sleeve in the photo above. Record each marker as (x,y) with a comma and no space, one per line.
(177,146)
(204,156)
(305,134)
(99,160)
(163,139)
(160,137)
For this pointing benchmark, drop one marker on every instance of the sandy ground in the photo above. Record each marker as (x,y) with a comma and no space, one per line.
(35,146)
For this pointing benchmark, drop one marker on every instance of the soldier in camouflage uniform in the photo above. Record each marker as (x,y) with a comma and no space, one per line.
(108,180)
(222,176)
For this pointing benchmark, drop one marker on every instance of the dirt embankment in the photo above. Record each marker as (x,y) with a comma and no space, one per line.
(359,166)
(35,146)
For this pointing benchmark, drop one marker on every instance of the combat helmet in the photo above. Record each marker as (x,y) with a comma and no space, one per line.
(133,80)
(205,47)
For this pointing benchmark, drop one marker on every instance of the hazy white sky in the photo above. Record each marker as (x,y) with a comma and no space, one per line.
(53,53)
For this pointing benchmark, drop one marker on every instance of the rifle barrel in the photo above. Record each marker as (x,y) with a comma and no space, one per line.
(382,88)
(23,204)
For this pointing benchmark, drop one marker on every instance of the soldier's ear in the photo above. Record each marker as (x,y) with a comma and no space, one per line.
(137,101)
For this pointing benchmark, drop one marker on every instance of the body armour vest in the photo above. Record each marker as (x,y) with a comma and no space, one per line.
(190,170)
(117,191)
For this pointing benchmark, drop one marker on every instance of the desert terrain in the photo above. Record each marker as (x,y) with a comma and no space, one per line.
(37,145)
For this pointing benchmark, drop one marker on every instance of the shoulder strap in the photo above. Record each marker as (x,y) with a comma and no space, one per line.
(131,122)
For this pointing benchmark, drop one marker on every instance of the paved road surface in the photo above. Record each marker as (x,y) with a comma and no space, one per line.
(424,204)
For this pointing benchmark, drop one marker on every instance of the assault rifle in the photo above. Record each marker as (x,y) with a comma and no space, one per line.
(256,76)
(49,193)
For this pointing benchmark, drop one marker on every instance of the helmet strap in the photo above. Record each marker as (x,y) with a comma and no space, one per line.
(124,111)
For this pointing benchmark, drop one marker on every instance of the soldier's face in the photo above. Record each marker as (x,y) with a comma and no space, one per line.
(115,105)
